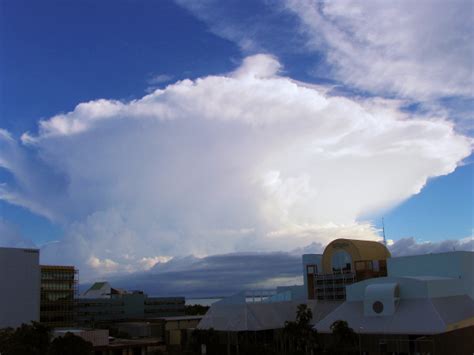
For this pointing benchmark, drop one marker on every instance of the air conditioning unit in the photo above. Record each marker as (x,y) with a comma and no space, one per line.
(381,299)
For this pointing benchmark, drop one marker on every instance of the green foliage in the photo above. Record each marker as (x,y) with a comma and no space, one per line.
(196,310)
(27,339)
(5,338)
(35,339)
(299,336)
(344,337)
(70,344)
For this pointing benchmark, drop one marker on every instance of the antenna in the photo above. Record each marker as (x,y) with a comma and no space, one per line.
(383,230)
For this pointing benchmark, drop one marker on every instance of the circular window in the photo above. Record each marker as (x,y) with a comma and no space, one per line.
(377,307)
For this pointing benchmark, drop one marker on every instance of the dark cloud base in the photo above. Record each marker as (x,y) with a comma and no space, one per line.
(222,275)
(217,275)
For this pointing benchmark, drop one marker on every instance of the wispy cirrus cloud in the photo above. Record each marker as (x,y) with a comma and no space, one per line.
(419,50)
(159,79)
(155,80)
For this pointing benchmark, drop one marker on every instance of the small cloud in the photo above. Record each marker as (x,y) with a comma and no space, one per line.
(149,262)
(159,79)
(106,265)
(154,82)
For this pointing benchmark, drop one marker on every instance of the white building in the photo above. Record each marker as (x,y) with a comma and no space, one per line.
(422,294)
(414,304)
(20,278)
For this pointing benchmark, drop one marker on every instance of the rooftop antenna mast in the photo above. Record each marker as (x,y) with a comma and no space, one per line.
(383,231)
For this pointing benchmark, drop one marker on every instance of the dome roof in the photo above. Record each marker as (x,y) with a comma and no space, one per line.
(357,249)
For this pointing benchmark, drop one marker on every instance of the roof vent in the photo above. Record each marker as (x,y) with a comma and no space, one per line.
(381,299)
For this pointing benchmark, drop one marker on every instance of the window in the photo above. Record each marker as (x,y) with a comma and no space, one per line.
(341,261)
(375,264)
(377,306)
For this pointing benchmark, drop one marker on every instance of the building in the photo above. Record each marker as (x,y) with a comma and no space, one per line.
(103,344)
(344,262)
(20,286)
(58,291)
(177,329)
(102,290)
(97,337)
(103,303)
(258,316)
(132,347)
(422,304)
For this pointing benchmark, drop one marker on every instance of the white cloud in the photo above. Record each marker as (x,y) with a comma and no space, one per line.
(103,266)
(420,50)
(410,246)
(247,160)
(149,262)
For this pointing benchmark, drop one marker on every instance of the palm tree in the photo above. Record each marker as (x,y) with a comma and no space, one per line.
(300,335)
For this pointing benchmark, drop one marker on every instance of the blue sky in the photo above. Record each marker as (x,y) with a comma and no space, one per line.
(58,54)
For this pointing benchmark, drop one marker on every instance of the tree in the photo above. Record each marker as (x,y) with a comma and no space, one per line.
(195,310)
(344,337)
(5,338)
(300,335)
(27,339)
(70,344)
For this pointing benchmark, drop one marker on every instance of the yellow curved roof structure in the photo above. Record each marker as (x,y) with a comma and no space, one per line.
(357,249)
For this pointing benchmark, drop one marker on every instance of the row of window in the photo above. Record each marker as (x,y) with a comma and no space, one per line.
(57,286)
(164,301)
(57,276)
(99,304)
(57,296)
(164,310)
(99,313)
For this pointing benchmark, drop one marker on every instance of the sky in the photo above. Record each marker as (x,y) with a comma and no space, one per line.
(141,140)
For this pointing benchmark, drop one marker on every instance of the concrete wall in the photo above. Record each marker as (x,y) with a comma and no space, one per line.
(20,279)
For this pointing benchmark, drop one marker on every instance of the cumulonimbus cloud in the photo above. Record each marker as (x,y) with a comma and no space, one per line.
(245,160)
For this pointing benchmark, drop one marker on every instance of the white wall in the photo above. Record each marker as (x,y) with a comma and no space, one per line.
(19,286)
(456,264)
